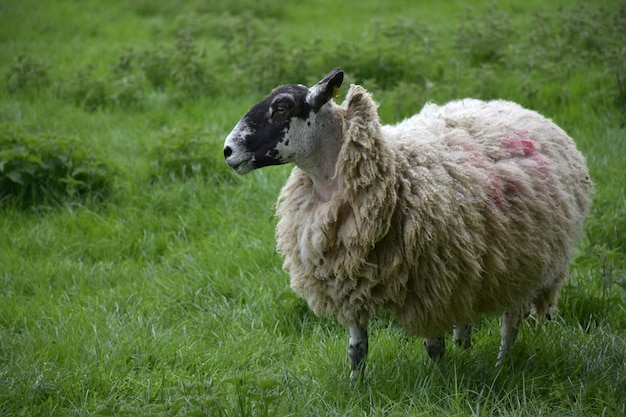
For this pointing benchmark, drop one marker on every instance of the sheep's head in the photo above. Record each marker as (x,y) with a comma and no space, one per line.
(275,130)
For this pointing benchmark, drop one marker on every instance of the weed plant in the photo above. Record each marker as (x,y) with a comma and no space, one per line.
(185,153)
(48,169)
(26,75)
(164,295)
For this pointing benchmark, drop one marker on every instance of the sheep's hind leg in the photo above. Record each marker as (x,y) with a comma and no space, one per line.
(510,328)
(463,336)
(358,350)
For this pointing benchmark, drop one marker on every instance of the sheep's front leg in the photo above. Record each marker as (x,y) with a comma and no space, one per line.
(463,335)
(510,328)
(357,349)
(435,347)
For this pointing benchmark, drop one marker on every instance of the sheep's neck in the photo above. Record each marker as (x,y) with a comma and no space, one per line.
(320,165)
(325,184)
(322,171)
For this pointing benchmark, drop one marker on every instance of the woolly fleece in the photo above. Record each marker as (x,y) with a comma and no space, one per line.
(463,209)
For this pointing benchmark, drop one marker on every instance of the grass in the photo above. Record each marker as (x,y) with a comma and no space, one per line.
(167,298)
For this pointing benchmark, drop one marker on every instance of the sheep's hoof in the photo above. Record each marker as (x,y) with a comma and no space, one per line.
(357,371)
(356,375)
(357,351)
(501,360)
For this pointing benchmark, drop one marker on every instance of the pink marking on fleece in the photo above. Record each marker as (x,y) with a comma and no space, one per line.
(467,152)
(536,165)
(495,188)
(473,157)
(528,146)
(522,147)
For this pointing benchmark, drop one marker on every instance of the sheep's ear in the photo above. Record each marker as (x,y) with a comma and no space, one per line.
(324,90)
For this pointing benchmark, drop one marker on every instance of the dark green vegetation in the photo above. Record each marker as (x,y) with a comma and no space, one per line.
(137,274)
(38,170)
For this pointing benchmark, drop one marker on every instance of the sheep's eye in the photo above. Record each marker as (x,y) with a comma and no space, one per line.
(281,106)
(280,109)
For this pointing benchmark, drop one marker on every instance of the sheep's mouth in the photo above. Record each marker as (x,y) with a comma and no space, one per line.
(242,167)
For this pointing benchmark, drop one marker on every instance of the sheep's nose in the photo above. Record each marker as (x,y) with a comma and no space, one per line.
(227,151)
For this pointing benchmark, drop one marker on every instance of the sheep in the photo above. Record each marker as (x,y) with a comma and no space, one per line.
(468,208)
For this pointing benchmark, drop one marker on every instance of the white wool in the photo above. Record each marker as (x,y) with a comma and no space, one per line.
(462,209)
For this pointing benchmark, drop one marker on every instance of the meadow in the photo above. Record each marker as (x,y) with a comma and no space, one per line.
(138,274)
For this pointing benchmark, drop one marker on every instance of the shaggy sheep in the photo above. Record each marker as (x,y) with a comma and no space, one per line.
(463,209)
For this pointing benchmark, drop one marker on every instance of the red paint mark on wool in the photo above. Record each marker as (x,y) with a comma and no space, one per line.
(528,146)
(538,178)
(473,157)
(531,152)
(495,189)
(520,146)
(540,159)
(469,154)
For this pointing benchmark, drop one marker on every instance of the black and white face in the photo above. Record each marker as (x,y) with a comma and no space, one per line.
(274,130)
(261,138)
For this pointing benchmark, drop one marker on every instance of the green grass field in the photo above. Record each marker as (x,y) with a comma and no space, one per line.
(138,274)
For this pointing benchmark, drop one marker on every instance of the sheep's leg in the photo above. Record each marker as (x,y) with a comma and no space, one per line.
(357,349)
(435,347)
(463,335)
(546,301)
(510,328)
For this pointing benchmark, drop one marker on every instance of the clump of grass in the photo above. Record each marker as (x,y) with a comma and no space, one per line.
(127,86)
(261,8)
(156,64)
(483,38)
(48,169)
(25,75)
(84,89)
(185,153)
(398,51)
(254,53)
(182,68)
(597,289)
